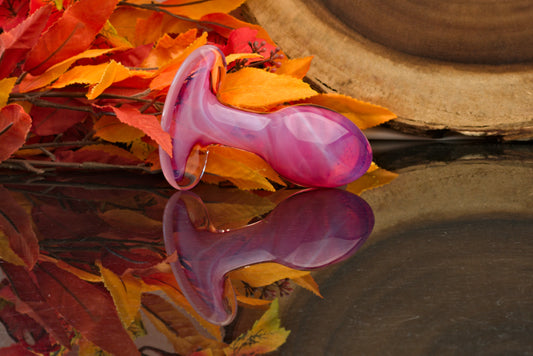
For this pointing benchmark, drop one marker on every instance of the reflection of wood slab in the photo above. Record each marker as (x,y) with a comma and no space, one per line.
(446,269)
(439,65)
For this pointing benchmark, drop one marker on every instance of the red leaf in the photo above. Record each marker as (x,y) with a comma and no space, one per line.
(12,13)
(53,121)
(70,35)
(19,326)
(30,299)
(16,350)
(16,43)
(89,309)
(17,225)
(149,124)
(14,126)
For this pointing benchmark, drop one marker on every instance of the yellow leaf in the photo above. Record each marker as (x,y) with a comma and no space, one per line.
(308,282)
(111,129)
(168,48)
(364,115)
(201,8)
(111,33)
(245,170)
(31,82)
(6,253)
(234,215)
(254,88)
(86,276)
(126,293)
(263,274)
(266,335)
(6,85)
(297,67)
(373,178)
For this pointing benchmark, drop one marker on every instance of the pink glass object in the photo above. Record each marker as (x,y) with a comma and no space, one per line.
(308,230)
(309,145)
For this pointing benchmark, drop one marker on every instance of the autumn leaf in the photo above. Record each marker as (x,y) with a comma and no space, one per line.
(126,293)
(309,283)
(72,34)
(263,274)
(32,82)
(168,48)
(12,13)
(149,124)
(195,10)
(179,330)
(55,119)
(266,335)
(166,74)
(246,170)
(6,85)
(86,307)
(373,178)
(16,225)
(253,88)
(28,299)
(297,67)
(17,42)
(14,126)
(224,24)
(111,129)
(362,114)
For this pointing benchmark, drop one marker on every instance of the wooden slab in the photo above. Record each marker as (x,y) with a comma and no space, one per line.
(461,66)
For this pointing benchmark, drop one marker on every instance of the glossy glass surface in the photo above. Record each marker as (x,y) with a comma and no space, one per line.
(309,230)
(309,145)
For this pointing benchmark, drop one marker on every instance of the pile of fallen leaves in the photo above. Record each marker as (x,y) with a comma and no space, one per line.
(82,83)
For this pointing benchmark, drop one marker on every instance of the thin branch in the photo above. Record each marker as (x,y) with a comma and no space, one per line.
(84,165)
(156,7)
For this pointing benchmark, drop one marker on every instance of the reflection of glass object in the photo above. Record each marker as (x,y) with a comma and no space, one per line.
(306,231)
(309,145)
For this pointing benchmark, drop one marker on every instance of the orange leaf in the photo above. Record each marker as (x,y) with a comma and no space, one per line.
(254,88)
(15,124)
(263,274)
(70,35)
(31,82)
(199,9)
(150,29)
(297,67)
(308,282)
(6,85)
(149,124)
(373,178)
(124,20)
(110,128)
(246,170)
(167,73)
(364,115)
(168,48)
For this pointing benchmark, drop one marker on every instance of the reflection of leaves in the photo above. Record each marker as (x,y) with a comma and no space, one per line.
(16,228)
(177,327)
(86,307)
(265,336)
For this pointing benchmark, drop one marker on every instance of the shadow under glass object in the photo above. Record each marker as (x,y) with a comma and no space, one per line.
(308,230)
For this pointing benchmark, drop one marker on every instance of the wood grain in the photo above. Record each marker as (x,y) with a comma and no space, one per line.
(426,63)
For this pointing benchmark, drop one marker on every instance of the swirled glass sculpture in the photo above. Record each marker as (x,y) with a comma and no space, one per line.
(309,145)
(309,230)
